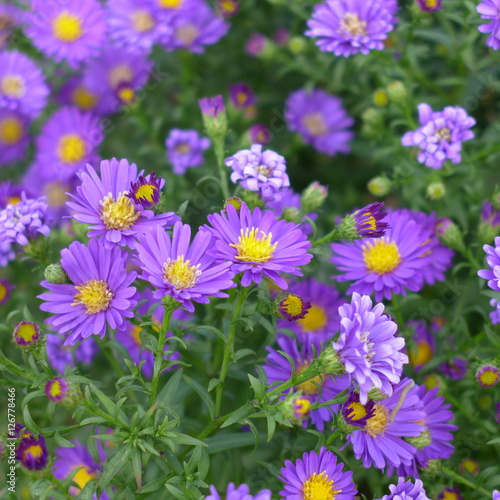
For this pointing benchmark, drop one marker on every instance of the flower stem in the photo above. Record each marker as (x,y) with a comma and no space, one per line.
(240,301)
(328,238)
(459,479)
(398,312)
(219,154)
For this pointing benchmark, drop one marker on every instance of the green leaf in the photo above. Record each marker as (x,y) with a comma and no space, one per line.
(229,441)
(185,439)
(112,467)
(257,387)
(214,382)
(167,396)
(203,393)
(107,403)
(137,467)
(60,441)
(155,485)
(239,414)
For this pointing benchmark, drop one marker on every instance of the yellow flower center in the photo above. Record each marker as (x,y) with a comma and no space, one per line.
(352,25)
(182,148)
(470,465)
(3,292)
(314,320)
(358,411)
(83,476)
(187,34)
(370,222)
(380,256)
(121,73)
(120,214)
(126,95)
(315,124)
(13,86)
(84,99)
(55,389)
(170,4)
(14,200)
(449,495)
(251,248)
(302,406)
(56,194)
(142,21)
(431,381)
(431,4)
(71,149)
(180,273)
(319,487)
(11,130)
(35,451)
(136,334)
(293,305)
(379,422)
(94,295)
(27,332)
(489,378)
(423,354)
(264,170)
(310,386)
(67,27)
(146,192)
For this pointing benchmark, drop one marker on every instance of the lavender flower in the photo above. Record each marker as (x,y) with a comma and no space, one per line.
(185,149)
(406,490)
(455,369)
(61,357)
(32,452)
(14,136)
(490,10)
(430,5)
(441,135)
(241,95)
(241,492)
(493,261)
(57,389)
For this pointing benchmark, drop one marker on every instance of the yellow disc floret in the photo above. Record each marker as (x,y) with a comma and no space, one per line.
(320,487)
(315,124)
(254,247)
(120,214)
(170,4)
(94,295)
(13,86)
(142,21)
(353,25)
(358,411)
(381,256)
(71,148)
(180,273)
(293,305)
(314,320)
(83,98)
(67,27)
(11,130)
(83,476)
(377,424)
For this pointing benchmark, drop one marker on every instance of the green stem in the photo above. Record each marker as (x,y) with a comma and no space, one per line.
(333,235)
(460,479)
(309,373)
(16,370)
(398,311)
(240,301)
(219,154)
(162,340)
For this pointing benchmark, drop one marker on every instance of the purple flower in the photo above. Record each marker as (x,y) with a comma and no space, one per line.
(57,389)
(241,492)
(10,194)
(260,171)
(258,245)
(380,443)
(368,347)
(255,44)
(322,320)
(319,389)
(406,490)
(71,31)
(68,141)
(455,369)
(346,27)
(14,136)
(180,269)
(293,307)
(60,356)
(425,345)
(450,494)
(10,17)
(490,215)
(241,95)
(227,8)
(22,85)
(185,149)
(103,202)
(387,265)
(99,295)
(32,453)
(316,475)
(430,5)
(5,291)
(371,221)
(493,260)
(76,93)
(441,135)
(490,10)
(356,414)
(259,133)
(212,106)
(26,333)
(488,376)
(320,119)
(24,221)
(146,191)
(496,495)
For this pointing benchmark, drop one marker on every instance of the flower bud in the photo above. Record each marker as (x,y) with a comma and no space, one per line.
(214,116)
(468,465)
(313,197)
(55,274)
(297,44)
(488,375)
(450,234)
(435,190)
(26,334)
(57,389)
(235,202)
(379,186)
(5,289)
(32,453)
(397,92)
(329,362)
(421,441)
(296,408)
(380,98)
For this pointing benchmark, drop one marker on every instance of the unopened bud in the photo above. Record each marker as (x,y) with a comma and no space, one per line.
(55,274)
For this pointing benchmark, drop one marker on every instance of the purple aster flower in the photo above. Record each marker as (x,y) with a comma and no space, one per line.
(255,44)
(241,95)
(320,119)
(371,221)
(322,320)
(5,291)
(260,171)
(496,495)
(424,345)
(493,260)
(69,459)
(135,24)
(10,194)
(32,453)
(259,245)
(68,141)
(185,149)
(441,135)
(146,191)
(406,490)
(241,492)
(14,136)
(387,265)
(450,494)
(22,85)
(356,414)
(76,93)
(103,202)
(346,27)
(488,375)
(368,347)
(24,221)
(495,314)
(293,307)
(430,5)
(62,356)
(6,253)
(10,17)
(212,106)
(57,389)
(194,26)
(180,269)
(100,293)
(72,30)
(26,334)
(115,73)
(319,389)
(455,369)
(316,475)
(489,215)
(259,133)
(490,10)
(380,443)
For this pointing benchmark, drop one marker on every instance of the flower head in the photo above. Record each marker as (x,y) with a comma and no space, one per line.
(430,5)
(293,307)
(185,149)
(32,452)
(104,203)
(212,106)
(62,357)
(26,333)
(493,260)
(489,10)
(356,414)
(99,295)
(57,389)
(146,191)
(10,17)
(259,133)
(185,271)
(425,345)
(72,31)
(368,347)
(227,8)
(14,136)
(260,171)
(316,476)
(5,291)
(496,495)
(346,27)
(454,369)
(406,490)
(258,245)
(241,95)
(22,85)
(76,93)
(370,221)
(241,492)
(450,494)
(320,120)
(441,135)
(488,375)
